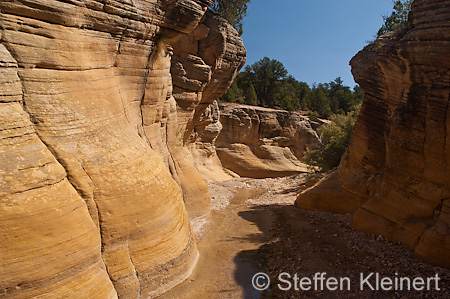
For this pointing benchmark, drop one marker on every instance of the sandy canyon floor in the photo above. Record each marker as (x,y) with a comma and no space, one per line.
(255,227)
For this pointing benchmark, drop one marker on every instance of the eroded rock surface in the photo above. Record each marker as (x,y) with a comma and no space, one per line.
(202,145)
(92,164)
(261,142)
(394,176)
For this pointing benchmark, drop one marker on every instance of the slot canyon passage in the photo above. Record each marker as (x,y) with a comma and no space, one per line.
(122,176)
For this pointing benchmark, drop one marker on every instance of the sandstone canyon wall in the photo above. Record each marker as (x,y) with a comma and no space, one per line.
(261,142)
(202,145)
(395,174)
(96,101)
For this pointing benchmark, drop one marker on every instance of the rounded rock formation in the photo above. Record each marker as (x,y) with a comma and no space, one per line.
(394,176)
(94,181)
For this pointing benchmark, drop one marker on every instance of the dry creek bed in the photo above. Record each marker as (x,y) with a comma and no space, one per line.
(255,227)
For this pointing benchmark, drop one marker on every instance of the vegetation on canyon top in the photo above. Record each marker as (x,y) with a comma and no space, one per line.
(397,21)
(266,83)
(233,11)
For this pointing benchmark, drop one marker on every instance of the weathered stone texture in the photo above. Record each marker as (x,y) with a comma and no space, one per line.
(202,145)
(261,142)
(92,144)
(398,162)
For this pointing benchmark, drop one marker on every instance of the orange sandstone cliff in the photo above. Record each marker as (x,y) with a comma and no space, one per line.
(395,174)
(97,99)
(233,139)
(262,142)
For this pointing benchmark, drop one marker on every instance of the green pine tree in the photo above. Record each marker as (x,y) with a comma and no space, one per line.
(250,95)
(397,21)
(233,11)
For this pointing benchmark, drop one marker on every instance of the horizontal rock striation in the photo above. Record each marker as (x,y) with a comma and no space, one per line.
(94,181)
(394,176)
(202,145)
(261,142)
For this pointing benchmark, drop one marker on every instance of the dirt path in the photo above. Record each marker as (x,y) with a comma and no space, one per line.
(232,248)
(254,227)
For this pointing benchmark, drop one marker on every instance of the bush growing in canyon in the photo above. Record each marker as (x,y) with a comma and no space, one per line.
(335,139)
(233,11)
(397,21)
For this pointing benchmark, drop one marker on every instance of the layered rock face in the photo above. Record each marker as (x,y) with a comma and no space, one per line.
(94,120)
(204,65)
(394,176)
(260,142)
(202,145)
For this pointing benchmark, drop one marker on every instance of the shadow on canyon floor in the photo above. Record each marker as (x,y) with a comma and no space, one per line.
(250,262)
(308,242)
(229,251)
(261,231)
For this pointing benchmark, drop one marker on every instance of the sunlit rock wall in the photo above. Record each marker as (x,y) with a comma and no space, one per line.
(261,142)
(395,174)
(202,145)
(92,135)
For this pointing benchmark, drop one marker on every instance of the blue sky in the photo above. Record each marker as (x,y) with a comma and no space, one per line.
(315,39)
